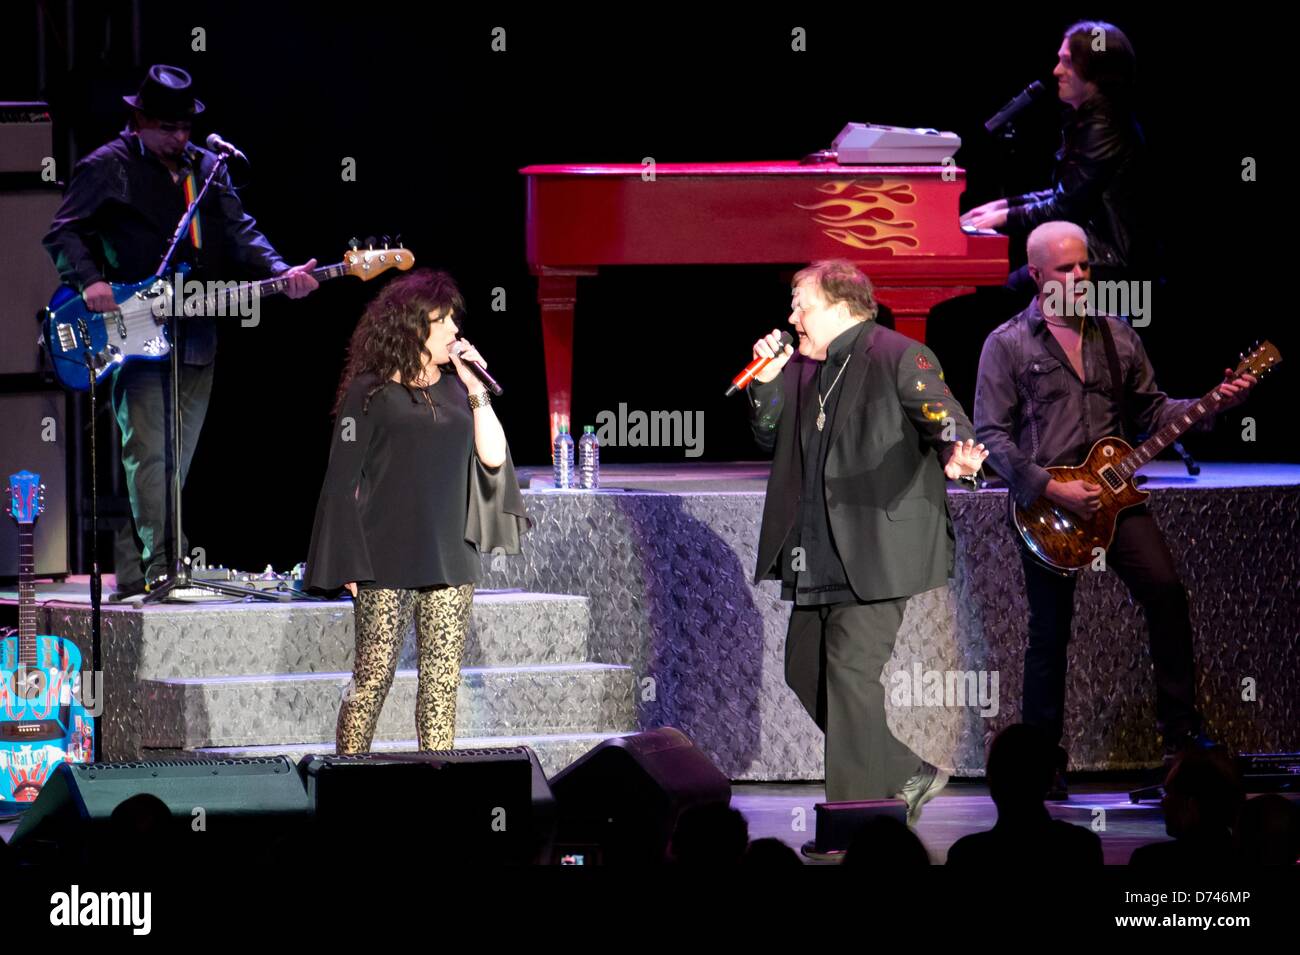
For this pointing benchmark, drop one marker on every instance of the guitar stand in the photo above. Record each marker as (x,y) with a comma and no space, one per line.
(1189,462)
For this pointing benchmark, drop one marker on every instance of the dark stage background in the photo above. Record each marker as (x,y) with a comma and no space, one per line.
(439,124)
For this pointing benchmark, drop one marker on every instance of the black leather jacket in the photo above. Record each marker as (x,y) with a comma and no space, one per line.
(1097,184)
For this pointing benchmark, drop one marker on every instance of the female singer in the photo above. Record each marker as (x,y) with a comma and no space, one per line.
(419,481)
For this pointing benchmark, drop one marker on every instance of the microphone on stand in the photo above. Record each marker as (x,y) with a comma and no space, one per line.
(220,146)
(1031,93)
(754,367)
(480,372)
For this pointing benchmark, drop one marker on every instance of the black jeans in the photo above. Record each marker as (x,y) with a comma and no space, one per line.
(834,655)
(142,405)
(1142,560)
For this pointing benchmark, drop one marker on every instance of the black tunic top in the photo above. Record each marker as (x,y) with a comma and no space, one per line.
(406,502)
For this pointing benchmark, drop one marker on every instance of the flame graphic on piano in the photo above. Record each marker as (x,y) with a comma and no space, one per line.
(864,213)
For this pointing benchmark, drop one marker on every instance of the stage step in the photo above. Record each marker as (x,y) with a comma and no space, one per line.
(284,709)
(553,752)
(217,640)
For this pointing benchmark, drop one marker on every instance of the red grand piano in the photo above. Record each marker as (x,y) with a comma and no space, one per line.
(898,223)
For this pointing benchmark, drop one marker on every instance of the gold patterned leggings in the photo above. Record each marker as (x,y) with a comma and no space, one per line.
(382,619)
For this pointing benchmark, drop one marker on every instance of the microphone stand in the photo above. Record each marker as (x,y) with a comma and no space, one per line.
(96,580)
(181,578)
(1004,131)
(1006,140)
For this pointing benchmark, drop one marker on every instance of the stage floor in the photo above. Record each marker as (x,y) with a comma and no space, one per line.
(965,807)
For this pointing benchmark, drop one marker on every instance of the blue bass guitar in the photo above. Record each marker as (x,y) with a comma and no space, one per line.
(138,328)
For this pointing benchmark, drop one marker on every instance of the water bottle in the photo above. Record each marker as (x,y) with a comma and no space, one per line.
(562,455)
(588,459)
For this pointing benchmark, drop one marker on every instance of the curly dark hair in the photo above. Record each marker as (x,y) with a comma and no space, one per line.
(391,334)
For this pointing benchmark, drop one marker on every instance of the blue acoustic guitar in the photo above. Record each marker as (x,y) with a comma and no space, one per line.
(138,328)
(42,720)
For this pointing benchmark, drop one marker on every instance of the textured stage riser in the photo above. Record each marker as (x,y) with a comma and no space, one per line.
(177,640)
(279,710)
(553,752)
(667,578)
(196,641)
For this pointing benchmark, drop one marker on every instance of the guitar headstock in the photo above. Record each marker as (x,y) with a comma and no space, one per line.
(1261,359)
(369,262)
(27,496)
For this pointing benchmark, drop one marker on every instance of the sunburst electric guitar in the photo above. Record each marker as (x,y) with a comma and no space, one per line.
(1067,542)
(138,328)
(42,719)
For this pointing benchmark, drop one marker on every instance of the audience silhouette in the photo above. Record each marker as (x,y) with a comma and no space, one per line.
(1020,767)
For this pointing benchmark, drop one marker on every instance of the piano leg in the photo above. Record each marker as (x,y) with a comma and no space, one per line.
(911,305)
(557,294)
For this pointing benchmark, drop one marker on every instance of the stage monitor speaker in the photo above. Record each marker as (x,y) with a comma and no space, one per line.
(1269,772)
(838,822)
(446,808)
(27,276)
(33,437)
(210,811)
(620,802)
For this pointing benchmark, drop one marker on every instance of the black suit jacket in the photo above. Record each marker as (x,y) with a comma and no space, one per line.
(1098,184)
(886,494)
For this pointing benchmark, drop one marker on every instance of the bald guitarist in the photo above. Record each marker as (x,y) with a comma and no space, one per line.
(1053,381)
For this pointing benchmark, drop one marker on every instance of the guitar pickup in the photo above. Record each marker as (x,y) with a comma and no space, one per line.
(1111,478)
(67,336)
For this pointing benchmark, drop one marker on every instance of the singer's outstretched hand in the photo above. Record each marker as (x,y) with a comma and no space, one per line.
(462,352)
(769,346)
(965,460)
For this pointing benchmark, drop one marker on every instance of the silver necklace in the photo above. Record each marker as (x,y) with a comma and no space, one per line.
(821,402)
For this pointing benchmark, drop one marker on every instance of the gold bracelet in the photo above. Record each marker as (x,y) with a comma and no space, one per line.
(480,400)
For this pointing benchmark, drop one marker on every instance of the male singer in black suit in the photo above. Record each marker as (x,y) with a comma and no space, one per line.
(856,519)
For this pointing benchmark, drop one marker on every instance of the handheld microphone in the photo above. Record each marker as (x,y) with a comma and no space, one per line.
(1032,92)
(754,367)
(220,146)
(476,366)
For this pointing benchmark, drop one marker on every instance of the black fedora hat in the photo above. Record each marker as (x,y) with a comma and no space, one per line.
(165,94)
